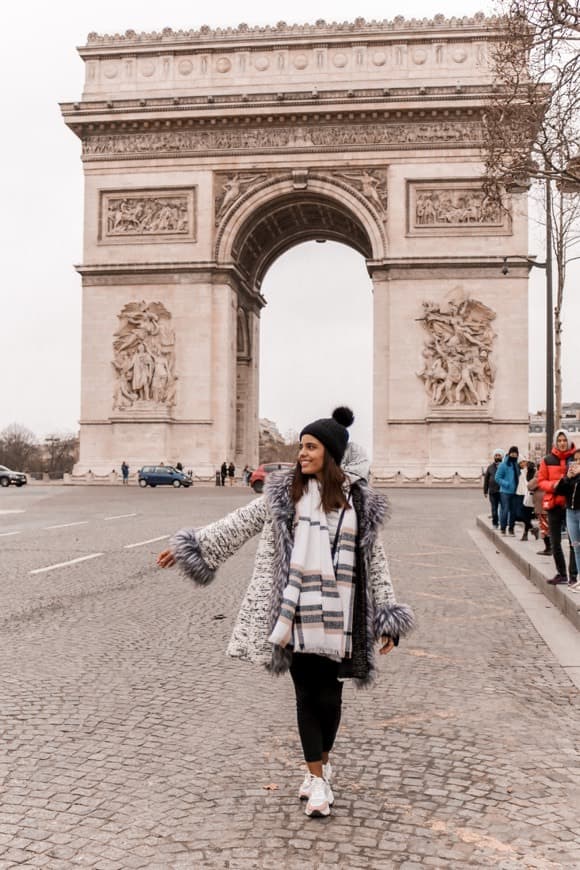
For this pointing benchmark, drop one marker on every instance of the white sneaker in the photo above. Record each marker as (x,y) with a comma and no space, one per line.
(318,802)
(306,787)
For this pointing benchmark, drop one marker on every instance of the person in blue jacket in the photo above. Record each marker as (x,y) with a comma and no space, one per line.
(507,476)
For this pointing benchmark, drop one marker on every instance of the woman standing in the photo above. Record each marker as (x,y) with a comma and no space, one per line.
(569,486)
(553,467)
(320,597)
(525,499)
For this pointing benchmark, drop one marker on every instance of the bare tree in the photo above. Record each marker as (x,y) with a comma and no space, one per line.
(532,120)
(19,448)
(60,453)
(532,126)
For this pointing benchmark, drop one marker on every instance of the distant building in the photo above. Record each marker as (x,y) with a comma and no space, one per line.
(570,420)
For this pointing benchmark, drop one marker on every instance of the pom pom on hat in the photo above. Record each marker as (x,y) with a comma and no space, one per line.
(343,415)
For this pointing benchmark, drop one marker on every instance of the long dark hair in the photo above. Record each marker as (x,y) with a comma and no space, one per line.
(332,496)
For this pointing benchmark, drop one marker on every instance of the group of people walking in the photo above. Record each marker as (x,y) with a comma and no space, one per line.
(227,472)
(320,599)
(517,491)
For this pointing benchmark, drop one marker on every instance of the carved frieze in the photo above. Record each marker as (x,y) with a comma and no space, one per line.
(437,208)
(130,216)
(144,357)
(457,370)
(314,137)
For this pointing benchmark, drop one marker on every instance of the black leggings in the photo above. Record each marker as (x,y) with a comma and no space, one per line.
(318,702)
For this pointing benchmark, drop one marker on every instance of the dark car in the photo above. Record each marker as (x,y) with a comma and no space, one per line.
(258,477)
(163,475)
(18,478)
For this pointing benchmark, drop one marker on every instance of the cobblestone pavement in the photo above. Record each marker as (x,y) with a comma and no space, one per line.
(130,740)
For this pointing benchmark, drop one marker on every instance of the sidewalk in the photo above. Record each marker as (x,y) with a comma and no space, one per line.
(536,569)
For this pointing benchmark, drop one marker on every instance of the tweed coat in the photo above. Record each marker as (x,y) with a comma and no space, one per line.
(199,553)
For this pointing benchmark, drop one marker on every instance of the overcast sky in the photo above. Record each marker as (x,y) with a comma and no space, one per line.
(41,226)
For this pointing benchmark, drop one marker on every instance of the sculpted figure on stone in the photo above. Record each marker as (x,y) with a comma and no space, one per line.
(144,356)
(456,368)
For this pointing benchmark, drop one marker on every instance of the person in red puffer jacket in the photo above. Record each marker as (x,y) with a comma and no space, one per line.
(552,468)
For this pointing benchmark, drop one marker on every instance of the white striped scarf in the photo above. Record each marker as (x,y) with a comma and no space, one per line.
(317,605)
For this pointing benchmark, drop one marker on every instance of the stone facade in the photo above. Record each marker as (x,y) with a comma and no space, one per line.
(207,154)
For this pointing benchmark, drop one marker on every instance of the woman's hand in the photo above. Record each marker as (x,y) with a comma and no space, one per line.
(387,644)
(166,559)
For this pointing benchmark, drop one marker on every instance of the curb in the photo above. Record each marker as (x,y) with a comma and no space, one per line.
(567,602)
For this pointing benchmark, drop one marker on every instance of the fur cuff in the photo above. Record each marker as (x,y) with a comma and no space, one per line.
(280,661)
(394,621)
(188,556)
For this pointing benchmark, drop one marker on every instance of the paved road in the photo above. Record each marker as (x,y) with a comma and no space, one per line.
(130,740)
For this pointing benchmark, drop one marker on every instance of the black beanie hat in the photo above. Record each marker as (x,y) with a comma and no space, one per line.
(332,432)
(513,449)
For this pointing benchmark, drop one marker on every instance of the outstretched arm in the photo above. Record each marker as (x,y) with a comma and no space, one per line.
(391,620)
(200,552)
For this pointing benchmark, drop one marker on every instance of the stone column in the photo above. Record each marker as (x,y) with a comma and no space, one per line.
(381,369)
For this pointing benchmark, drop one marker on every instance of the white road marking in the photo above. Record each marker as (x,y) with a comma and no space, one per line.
(66,525)
(6,534)
(17,511)
(150,541)
(120,516)
(64,564)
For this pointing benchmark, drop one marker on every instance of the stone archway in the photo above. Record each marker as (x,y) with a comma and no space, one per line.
(268,216)
(207,154)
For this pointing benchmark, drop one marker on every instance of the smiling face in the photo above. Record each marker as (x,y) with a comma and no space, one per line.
(311,455)
(562,442)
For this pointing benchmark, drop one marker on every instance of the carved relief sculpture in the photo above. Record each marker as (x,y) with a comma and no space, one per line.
(233,186)
(457,370)
(455,208)
(372,184)
(144,357)
(128,216)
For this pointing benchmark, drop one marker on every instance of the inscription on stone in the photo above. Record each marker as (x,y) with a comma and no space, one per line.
(158,215)
(457,370)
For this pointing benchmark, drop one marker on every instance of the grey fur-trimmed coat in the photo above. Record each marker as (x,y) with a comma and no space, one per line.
(200,552)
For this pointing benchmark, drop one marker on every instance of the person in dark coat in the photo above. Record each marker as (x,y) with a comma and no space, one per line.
(224,472)
(491,486)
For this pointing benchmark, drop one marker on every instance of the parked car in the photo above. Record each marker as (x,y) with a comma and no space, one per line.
(18,478)
(259,476)
(163,475)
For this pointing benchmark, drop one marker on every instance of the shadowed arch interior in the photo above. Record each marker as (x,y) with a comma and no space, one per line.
(292,219)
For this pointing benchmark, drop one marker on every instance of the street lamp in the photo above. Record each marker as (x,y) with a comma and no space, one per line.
(547,265)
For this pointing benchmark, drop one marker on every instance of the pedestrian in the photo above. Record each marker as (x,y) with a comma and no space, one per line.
(246,474)
(320,595)
(538,498)
(179,466)
(231,473)
(552,468)
(125,473)
(491,486)
(569,486)
(507,476)
(525,499)
(224,472)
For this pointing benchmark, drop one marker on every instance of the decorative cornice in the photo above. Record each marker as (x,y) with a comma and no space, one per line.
(282,30)
(214,104)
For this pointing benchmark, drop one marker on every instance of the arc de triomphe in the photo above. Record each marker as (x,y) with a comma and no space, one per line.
(209,153)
